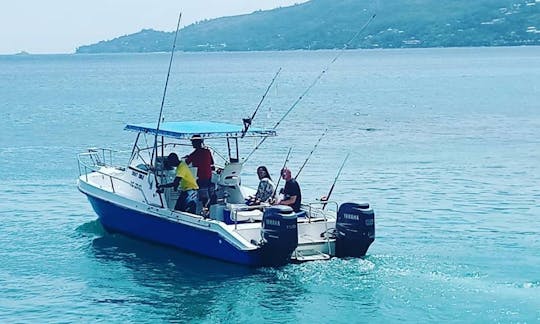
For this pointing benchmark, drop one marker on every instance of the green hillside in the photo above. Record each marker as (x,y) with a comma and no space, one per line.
(328,24)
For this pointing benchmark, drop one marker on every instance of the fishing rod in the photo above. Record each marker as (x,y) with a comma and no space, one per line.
(280,172)
(155,152)
(313,83)
(165,89)
(247,121)
(310,153)
(327,197)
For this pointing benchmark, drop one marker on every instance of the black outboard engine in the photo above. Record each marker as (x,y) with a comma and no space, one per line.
(355,227)
(279,235)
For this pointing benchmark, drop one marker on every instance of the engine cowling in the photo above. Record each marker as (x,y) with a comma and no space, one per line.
(355,229)
(279,235)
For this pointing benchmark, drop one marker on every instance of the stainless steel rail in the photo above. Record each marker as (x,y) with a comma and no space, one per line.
(96,159)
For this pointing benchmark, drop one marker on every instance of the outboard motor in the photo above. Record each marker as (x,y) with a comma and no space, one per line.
(279,235)
(355,227)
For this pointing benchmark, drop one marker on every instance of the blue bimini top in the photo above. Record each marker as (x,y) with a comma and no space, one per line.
(206,130)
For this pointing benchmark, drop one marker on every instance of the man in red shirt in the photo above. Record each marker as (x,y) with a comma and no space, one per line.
(202,159)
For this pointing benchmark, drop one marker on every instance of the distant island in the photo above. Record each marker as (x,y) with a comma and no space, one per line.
(329,24)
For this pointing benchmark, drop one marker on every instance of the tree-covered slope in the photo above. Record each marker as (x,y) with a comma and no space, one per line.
(326,24)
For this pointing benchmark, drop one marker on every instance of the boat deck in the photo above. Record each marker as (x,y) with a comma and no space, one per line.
(311,233)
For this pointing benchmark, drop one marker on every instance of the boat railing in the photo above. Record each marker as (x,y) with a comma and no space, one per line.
(94,159)
(98,157)
(315,209)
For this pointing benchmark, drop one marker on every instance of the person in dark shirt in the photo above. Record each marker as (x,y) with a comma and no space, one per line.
(202,159)
(292,196)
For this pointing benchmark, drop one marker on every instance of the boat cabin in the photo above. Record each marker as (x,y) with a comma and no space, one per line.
(175,137)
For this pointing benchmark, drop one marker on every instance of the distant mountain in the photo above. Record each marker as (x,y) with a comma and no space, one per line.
(328,24)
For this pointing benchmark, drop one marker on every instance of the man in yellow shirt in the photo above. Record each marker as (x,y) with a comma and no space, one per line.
(187,201)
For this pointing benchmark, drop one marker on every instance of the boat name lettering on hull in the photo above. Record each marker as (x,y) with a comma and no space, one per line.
(137,174)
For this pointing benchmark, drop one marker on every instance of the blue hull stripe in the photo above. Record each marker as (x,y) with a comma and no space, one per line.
(152,228)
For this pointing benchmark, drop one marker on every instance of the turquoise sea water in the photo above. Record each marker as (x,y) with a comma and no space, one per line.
(444,143)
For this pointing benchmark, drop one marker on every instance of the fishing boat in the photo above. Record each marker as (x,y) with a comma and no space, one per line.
(127,198)
(126,201)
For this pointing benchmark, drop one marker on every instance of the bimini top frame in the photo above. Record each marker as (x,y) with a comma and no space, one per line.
(206,130)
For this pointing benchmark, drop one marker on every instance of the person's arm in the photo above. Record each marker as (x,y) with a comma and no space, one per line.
(211,159)
(288,202)
(189,158)
(260,191)
(173,184)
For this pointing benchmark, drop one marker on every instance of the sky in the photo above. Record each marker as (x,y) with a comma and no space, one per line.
(60,26)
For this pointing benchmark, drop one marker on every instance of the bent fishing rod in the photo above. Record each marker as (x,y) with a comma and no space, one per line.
(310,154)
(327,197)
(247,121)
(154,152)
(313,83)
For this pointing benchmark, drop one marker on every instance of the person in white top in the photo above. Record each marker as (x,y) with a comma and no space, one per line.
(266,189)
